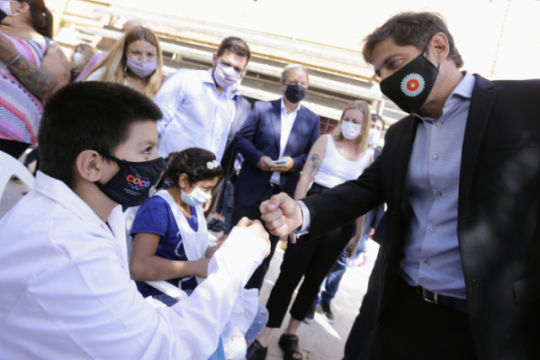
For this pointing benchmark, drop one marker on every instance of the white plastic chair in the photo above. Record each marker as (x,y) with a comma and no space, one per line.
(10,166)
(169,289)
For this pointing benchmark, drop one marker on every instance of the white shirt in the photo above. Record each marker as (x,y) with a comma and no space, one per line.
(287,122)
(194,114)
(66,292)
(96,76)
(335,169)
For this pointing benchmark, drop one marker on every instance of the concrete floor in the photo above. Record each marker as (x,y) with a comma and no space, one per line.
(321,340)
(318,340)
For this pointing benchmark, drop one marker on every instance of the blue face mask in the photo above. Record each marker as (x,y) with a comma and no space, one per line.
(196,198)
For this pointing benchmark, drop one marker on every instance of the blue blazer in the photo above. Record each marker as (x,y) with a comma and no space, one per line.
(260,136)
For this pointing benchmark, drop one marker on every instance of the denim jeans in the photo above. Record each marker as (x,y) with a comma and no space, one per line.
(368,220)
(257,325)
(331,283)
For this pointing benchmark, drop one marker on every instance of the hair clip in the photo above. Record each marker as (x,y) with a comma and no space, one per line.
(212,164)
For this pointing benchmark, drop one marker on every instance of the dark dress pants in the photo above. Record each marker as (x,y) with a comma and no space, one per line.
(365,321)
(312,260)
(253,213)
(410,328)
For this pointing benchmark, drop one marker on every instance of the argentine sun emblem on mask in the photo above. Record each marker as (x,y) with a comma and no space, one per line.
(412,84)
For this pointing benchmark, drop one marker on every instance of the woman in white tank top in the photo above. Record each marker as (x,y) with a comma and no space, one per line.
(331,161)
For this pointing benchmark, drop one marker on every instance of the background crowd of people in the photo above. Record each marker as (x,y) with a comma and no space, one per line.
(274,147)
(197,139)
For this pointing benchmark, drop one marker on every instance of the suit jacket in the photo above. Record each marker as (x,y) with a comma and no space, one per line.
(498,214)
(242,110)
(260,136)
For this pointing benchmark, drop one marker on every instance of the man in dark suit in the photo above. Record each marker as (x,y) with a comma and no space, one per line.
(459,265)
(275,142)
(223,219)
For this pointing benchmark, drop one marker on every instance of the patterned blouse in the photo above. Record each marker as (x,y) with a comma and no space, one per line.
(20,110)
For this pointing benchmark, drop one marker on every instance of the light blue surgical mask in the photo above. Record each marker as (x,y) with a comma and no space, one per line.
(196,198)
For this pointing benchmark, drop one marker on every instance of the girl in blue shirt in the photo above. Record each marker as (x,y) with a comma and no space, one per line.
(170,238)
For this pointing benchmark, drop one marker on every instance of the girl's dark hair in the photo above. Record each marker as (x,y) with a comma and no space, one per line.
(42,18)
(193,162)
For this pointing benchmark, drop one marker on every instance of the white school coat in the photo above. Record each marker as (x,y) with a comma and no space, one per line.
(66,293)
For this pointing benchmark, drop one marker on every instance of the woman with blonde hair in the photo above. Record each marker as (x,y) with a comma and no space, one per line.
(82,54)
(333,159)
(135,61)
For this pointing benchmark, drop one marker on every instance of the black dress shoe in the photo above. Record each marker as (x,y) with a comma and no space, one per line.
(327,312)
(211,223)
(218,226)
(310,315)
(256,351)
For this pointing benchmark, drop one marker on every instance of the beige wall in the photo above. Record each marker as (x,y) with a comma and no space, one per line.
(475,24)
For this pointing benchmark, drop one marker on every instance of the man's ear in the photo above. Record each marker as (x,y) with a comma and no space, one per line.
(283,86)
(89,165)
(438,48)
(214,60)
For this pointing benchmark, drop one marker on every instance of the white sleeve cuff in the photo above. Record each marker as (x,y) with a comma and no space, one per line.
(306,220)
(247,242)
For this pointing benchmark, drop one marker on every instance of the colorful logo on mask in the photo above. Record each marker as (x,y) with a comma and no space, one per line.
(412,85)
(136,183)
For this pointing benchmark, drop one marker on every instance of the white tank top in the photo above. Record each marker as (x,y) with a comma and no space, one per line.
(335,169)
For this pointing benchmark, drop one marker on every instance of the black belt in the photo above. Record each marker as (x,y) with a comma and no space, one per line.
(447,301)
(272,185)
(317,189)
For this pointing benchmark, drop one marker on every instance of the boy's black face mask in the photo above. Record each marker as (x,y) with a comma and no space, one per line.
(409,87)
(134,183)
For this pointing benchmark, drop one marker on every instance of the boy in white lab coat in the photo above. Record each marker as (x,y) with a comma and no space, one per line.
(66,290)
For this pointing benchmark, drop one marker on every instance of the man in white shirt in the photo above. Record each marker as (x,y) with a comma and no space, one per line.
(198,106)
(66,288)
(275,141)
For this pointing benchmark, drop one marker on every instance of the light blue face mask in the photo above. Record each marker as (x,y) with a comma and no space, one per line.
(196,198)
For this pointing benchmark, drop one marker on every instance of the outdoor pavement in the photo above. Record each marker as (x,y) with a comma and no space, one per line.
(321,340)
(318,340)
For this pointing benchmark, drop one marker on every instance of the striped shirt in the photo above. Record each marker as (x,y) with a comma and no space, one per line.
(20,110)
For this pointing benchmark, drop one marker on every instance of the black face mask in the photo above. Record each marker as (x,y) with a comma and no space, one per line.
(295,93)
(134,183)
(409,87)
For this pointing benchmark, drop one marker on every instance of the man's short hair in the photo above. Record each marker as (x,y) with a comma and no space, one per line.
(377,117)
(236,45)
(293,68)
(411,28)
(88,116)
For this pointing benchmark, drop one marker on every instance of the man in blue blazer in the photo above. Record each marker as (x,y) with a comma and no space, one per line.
(275,141)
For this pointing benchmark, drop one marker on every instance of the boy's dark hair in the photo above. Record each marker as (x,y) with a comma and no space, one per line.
(377,117)
(193,162)
(88,116)
(411,28)
(236,45)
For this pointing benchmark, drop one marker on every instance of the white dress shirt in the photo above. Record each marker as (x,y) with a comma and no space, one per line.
(194,113)
(66,292)
(287,122)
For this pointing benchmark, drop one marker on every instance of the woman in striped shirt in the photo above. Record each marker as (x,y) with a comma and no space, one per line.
(32,68)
